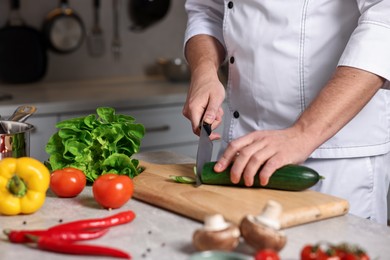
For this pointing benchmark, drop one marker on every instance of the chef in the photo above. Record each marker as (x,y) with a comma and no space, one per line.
(307,85)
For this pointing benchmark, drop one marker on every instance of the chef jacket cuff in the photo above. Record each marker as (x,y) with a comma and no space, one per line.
(368,49)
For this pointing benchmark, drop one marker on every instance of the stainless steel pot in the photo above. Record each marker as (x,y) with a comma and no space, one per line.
(15,134)
(16,142)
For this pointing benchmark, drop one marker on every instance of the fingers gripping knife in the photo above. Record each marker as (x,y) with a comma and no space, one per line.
(205,150)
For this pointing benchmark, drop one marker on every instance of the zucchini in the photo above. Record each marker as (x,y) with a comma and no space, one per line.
(289,177)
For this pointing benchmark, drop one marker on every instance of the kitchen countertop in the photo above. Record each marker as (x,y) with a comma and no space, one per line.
(160,234)
(75,96)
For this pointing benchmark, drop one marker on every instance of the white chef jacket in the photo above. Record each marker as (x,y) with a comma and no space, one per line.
(281,53)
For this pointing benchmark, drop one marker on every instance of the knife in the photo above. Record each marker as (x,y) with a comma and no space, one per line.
(205,150)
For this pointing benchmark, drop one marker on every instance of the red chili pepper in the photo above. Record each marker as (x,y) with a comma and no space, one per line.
(65,247)
(19,236)
(117,219)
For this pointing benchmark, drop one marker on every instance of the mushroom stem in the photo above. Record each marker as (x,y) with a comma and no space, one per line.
(270,215)
(215,223)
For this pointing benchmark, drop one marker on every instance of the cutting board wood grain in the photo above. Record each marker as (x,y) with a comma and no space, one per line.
(154,186)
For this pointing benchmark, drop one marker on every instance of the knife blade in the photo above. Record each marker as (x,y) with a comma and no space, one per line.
(205,151)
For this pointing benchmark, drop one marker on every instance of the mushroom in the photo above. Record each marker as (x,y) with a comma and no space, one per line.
(262,231)
(216,234)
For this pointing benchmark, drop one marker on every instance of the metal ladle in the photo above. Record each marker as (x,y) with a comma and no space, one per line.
(20,115)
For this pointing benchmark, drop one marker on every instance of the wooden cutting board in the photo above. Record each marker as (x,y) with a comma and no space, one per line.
(153,186)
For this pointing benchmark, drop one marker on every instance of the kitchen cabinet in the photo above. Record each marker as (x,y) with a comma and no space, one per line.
(166,129)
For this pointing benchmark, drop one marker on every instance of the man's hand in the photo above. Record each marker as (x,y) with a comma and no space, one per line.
(206,94)
(270,149)
(204,103)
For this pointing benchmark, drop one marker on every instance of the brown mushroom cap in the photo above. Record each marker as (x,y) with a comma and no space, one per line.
(260,236)
(226,239)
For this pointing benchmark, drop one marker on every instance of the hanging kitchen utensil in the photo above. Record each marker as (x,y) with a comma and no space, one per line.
(144,13)
(116,41)
(64,29)
(95,39)
(23,55)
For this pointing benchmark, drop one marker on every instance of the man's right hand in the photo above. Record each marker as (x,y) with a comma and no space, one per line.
(206,93)
(204,102)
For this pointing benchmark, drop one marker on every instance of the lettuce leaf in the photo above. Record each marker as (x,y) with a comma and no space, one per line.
(97,144)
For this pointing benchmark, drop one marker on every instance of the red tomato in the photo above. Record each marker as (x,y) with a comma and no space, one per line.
(67,182)
(340,253)
(112,190)
(310,252)
(326,256)
(350,256)
(358,256)
(267,254)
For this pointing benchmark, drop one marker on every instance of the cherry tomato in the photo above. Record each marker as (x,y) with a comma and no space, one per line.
(310,252)
(350,256)
(341,251)
(112,190)
(328,256)
(267,254)
(67,182)
(357,256)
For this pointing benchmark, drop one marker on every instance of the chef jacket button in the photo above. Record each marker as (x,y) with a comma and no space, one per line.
(236,114)
(230,5)
(232,60)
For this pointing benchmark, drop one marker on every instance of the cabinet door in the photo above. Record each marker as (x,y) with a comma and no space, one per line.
(185,149)
(166,128)
(44,128)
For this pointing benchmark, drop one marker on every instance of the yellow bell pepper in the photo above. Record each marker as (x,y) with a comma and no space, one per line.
(23,185)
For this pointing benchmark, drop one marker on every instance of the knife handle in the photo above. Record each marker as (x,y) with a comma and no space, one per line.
(207,127)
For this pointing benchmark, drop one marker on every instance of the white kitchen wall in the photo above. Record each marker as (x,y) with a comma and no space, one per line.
(139,50)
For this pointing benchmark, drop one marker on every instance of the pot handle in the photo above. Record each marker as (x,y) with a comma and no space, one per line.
(22,113)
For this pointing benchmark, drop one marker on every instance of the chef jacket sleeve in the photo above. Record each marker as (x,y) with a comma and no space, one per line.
(204,17)
(369,45)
